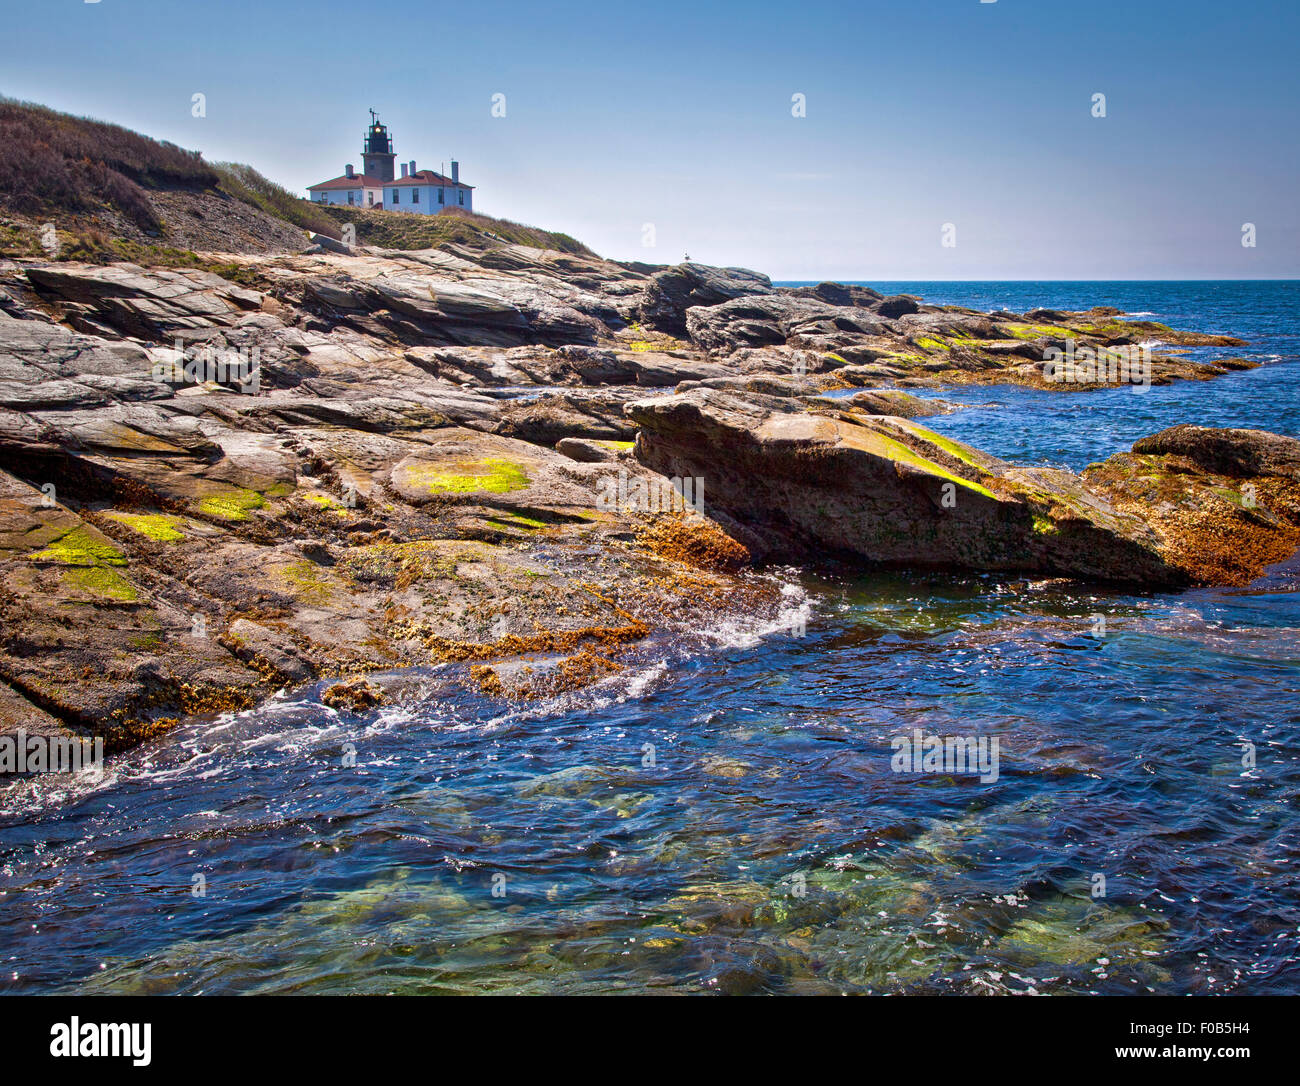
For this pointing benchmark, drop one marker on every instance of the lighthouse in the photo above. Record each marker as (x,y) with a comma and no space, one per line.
(377,151)
(422,192)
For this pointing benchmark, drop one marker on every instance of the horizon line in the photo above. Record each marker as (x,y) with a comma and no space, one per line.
(1222,279)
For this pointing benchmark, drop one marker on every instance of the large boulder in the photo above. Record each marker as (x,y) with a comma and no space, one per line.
(898,305)
(1239,453)
(1224,504)
(671,292)
(801,479)
(548,419)
(805,482)
(779,318)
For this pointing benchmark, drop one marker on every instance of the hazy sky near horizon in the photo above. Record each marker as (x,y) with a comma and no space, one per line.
(679,114)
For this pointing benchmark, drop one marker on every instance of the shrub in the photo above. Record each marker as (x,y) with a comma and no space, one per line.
(51,161)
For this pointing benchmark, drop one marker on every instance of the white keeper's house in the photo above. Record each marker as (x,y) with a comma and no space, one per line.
(377,185)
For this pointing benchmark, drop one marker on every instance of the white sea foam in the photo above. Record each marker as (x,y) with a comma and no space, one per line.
(612,690)
(740,632)
(30,795)
(732,632)
(289,727)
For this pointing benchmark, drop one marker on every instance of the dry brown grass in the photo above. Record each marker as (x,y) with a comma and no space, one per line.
(51,161)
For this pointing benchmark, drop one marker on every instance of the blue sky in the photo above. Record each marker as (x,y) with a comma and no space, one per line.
(675,114)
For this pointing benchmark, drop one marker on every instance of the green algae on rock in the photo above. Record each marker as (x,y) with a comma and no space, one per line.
(81,547)
(494,476)
(107,583)
(160,527)
(232,504)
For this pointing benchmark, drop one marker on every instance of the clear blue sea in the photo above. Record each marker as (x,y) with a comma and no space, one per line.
(767,846)
(1072,431)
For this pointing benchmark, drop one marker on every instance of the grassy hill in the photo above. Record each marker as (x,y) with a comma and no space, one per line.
(114,194)
(407,230)
(53,163)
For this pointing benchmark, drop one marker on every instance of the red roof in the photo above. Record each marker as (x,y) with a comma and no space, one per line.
(360,181)
(428,177)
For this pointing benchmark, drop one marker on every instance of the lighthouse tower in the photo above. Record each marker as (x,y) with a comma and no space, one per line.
(377,151)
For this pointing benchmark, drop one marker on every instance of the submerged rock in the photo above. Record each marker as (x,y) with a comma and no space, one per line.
(355,695)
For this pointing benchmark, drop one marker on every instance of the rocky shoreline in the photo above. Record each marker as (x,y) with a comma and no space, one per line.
(527,465)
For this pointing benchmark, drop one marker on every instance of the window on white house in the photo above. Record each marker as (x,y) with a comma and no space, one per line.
(351,197)
(415,196)
(396,194)
(370,199)
(461,194)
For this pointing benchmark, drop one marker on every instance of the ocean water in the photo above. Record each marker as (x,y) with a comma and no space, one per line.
(1071,430)
(727,818)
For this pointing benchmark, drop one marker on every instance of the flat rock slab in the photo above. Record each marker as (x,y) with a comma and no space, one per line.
(463,467)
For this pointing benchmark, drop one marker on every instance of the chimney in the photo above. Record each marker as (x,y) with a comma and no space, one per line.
(348,170)
(403,169)
(455,170)
(412,167)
